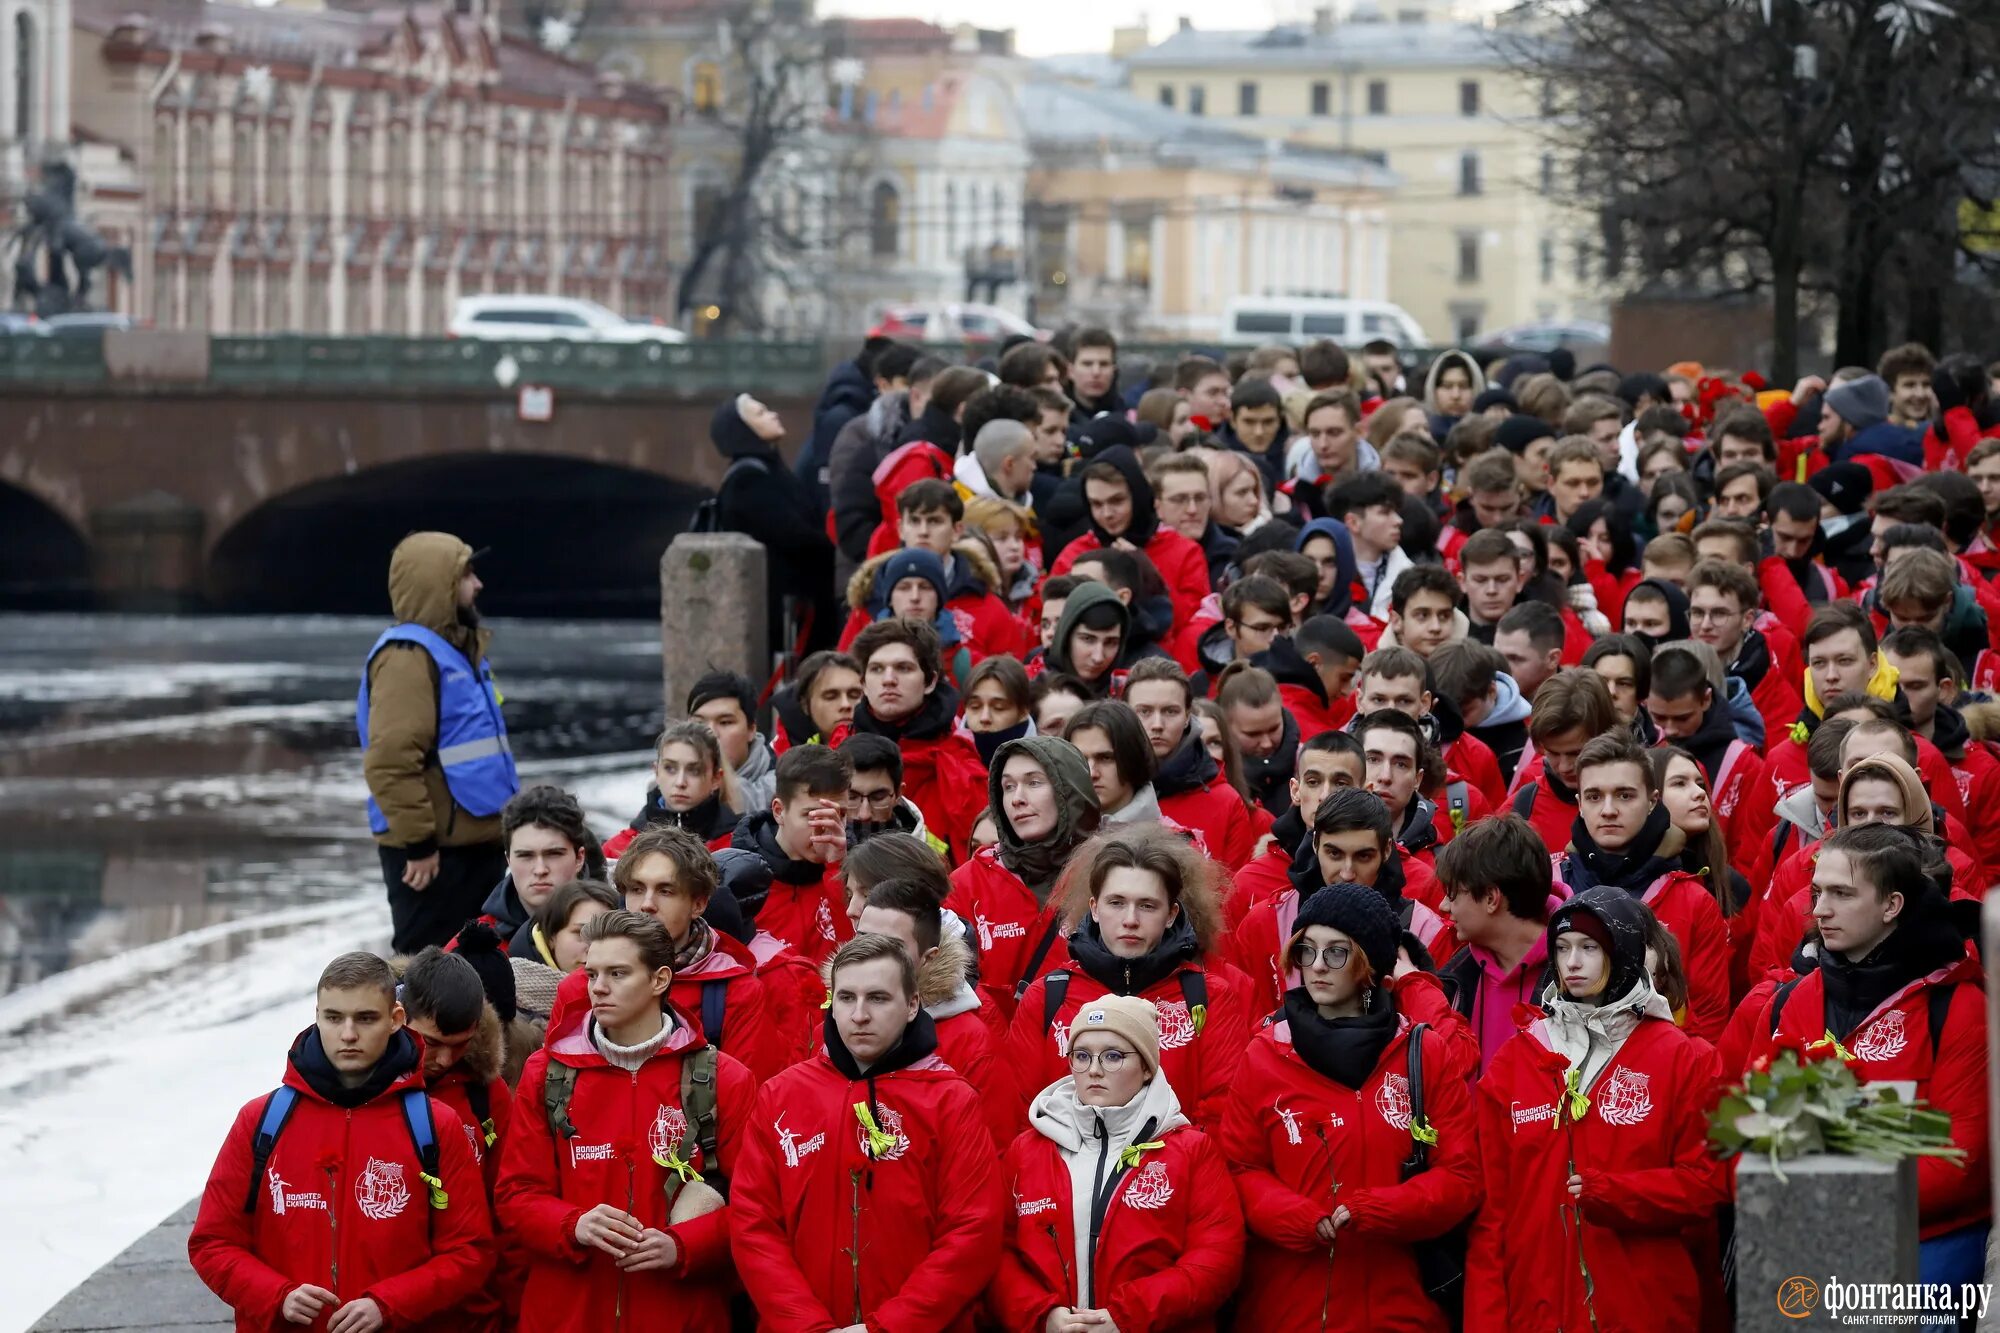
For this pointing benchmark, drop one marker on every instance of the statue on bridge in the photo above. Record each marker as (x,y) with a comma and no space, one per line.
(54,254)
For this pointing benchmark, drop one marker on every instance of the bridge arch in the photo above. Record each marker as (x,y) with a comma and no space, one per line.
(565,536)
(44,557)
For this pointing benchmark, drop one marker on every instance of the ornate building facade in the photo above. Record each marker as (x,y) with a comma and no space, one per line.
(358,172)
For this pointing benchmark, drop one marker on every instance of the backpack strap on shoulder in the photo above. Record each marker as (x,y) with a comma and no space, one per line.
(698,1103)
(423,1134)
(477,1098)
(1194,990)
(1422,1136)
(271,1121)
(714,1008)
(1524,799)
(1055,989)
(1778,998)
(558,1083)
(1939,999)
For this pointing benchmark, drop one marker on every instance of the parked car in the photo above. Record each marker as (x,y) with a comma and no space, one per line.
(952,321)
(561,318)
(1578,335)
(1296,320)
(87,324)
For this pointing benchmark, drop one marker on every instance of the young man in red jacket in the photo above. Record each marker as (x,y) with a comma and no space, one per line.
(1328,761)
(905,698)
(1898,992)
(1722,609)
(1687,713)
(802,838)
(444,1005)
(1120,501)
(667,874)
(1189,783)
(348,1200)
(1573,706)
(868,1198)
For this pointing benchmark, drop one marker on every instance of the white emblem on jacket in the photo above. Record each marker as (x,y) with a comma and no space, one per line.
(1883,1039)
(1392,1101)
(1625,1098)
(381,1191)
(1151,1188)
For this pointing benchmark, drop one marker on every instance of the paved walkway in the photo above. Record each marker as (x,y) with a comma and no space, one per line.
(149,1286)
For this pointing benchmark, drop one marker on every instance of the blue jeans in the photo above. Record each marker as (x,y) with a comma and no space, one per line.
(1955,1257)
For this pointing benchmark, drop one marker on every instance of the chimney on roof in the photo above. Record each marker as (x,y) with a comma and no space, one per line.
(1186,24)
(1126,40)
(1323,20)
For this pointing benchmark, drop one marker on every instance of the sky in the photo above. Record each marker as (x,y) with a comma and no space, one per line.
(1064,27)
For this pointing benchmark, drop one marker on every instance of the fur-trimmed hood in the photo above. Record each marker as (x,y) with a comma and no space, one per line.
(1982,718)
(486,1054)
(944,975)
(974,556)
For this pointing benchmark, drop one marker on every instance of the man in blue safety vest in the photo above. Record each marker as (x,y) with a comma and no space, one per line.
(434,747)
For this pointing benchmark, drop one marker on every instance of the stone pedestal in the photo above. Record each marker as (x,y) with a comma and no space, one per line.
(1849,1218)
(712,611)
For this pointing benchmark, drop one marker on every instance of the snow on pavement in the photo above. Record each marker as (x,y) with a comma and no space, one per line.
(110,1119)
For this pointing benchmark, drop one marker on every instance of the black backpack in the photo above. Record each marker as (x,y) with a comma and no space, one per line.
(1194,990)
(707,514)
(1440,1260)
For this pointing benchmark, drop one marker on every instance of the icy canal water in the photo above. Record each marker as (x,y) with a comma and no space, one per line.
(182,846)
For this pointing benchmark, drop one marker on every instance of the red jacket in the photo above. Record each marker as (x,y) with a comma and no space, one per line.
(1219,813)
(1005,924)
(750,1030)
(1474,760)
(615,845)
(1893,1043)
(1611,590)
(1778,702)
(1181,564)
(1785,768)
(905,466)
(926,1210)
(1642,1150)
(1548,814)
(1691,915)
(1302,1145)
(1784,914)
(809,919)
(453,1088)
(626,1125)
(340,1206)
(794,994)
(1265,876)
(1312,713)
(1977,777)
(1199,1059)
(1169,1249)
(946,780)
(1782,594)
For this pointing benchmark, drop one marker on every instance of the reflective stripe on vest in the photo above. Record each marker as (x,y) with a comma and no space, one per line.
(472,748)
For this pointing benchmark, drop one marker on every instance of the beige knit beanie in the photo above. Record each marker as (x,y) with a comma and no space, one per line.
(1134,1021)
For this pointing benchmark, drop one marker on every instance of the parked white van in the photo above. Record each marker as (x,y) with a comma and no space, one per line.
(528,318)
(1297,320)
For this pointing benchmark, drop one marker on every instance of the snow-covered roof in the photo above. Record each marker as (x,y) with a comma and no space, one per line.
(1060,116)
(1292,45)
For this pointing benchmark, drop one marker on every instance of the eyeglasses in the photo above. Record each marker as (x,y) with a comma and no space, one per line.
(1109,1061)
(1334,956)
(871,800)
(1702,615)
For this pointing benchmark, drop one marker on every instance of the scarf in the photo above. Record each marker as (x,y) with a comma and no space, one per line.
(1188,767)
(700,944)
(1656,851)
(1270,778)
(1345,1050)
(308,1056)
(919,1040)
(933,718)
(989,742)
(1177,949)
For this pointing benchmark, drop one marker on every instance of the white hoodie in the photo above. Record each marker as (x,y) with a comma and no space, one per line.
(1073,1127)
(1588,1036)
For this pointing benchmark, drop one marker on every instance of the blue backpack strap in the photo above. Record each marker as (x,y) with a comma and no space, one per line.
(423,1136)
(278,1108)
(714,1007)
(1055,986)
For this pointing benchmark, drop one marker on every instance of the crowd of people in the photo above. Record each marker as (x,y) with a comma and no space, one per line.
(1293,843)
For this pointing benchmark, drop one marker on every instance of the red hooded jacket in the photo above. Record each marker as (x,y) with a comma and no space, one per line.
(340,1207)
(1005,924)
(626,1125)
(1642,1150)
(916,461)
(1219,813)
(1199,1059)
(751,1031)
(1181,563)
(1893,1043)
(926,1210)
(1169,1249)
(1302,1145)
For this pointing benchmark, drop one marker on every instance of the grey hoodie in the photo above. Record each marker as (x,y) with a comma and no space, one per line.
(1144,805)
(1066,1122)
(757,780)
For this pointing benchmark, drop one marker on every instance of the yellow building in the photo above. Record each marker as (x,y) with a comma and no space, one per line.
(1151,221)
(1480,239)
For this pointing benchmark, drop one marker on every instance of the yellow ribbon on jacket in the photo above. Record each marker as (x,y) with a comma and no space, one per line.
(1828,1039)
(1578,1104)
(436,1187)
(878,1142)
(679,1165)
(1128,1156)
